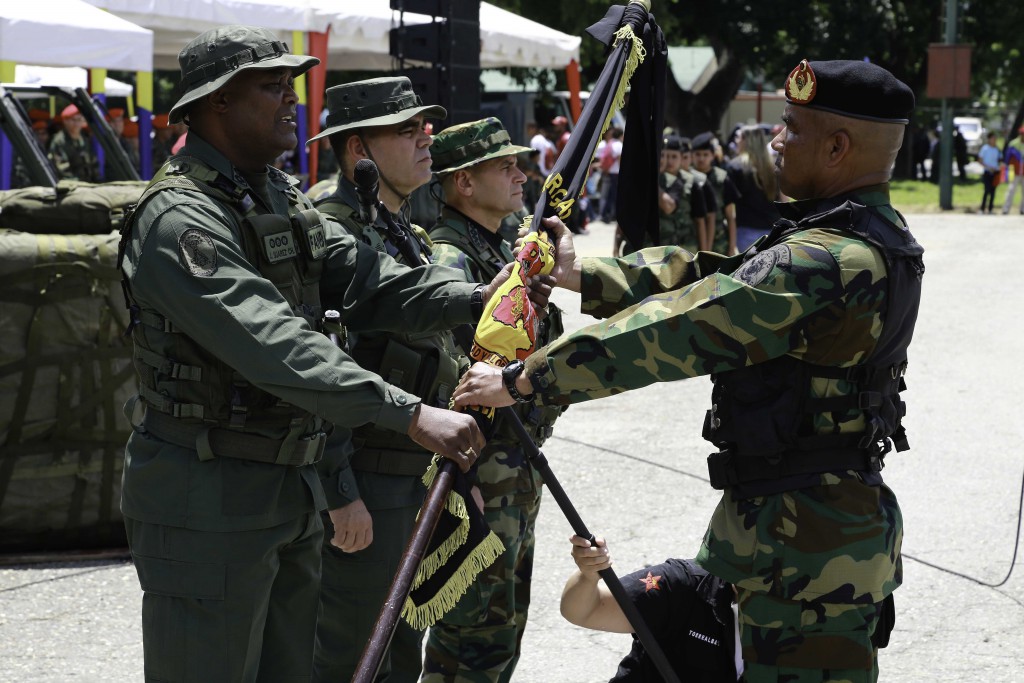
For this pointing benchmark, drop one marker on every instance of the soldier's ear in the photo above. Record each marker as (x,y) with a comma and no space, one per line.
(463,182)
(355,148)
(838,147)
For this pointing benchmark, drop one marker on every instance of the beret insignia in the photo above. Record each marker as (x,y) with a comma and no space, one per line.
(802,85)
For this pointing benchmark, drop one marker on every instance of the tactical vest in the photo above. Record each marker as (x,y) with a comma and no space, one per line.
(427,364)
(766,419)
(538,419)
(192,398)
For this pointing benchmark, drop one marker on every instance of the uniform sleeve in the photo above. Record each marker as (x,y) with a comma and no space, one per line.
(451,256)
(730,193)
(709,197)
(226,306)
(761,310)
(698,204)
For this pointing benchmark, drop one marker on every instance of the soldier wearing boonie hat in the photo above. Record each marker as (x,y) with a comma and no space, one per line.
(476,163)
(805,336)
(375,493)
(227,270)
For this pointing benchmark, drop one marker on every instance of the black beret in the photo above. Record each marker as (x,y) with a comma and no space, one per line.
(704,141)
(848,87)
(674,143)
(685,145)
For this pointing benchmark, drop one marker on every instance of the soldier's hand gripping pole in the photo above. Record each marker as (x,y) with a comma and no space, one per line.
(540,461)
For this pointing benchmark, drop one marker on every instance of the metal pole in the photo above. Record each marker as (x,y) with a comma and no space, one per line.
(946,141)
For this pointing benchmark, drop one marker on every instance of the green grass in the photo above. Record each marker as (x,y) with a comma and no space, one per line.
(919,196)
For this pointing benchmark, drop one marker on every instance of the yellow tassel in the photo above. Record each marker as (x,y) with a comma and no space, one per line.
(637,54)
(427,614)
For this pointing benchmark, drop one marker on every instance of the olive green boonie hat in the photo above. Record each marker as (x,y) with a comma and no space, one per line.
(470,143)
(375,102)
(211,59)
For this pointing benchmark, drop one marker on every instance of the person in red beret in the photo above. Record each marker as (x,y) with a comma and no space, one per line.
(70,151)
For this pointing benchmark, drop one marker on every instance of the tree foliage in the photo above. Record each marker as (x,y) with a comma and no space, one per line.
(749,37)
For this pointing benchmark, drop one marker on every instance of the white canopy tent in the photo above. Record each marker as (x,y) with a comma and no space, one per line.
(358,37)
(67,76)
(72,33)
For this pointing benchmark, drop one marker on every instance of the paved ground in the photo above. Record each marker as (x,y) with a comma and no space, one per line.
(634,465)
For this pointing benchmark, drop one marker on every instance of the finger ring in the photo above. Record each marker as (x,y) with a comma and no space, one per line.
(468,453)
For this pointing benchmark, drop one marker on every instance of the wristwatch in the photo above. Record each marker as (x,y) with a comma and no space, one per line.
(509,374)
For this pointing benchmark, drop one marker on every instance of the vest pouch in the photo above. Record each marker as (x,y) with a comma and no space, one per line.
(400,366)
(757,410)
(276,244)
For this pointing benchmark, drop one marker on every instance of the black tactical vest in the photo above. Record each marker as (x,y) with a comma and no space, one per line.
(763,416)
(188,393)
(427,364)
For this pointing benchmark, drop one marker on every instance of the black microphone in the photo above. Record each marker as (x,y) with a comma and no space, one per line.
(365,175)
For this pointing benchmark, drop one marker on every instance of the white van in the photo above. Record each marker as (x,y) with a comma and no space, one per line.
(973,131)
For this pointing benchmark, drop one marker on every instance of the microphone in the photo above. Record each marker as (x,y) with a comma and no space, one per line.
(366,176)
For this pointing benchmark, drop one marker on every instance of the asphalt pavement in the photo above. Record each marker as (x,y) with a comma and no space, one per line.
(634,466)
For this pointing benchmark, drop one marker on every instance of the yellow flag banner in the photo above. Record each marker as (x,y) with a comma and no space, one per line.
(462,545)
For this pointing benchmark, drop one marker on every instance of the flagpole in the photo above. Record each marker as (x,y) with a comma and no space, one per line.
(391,610)
(611,579)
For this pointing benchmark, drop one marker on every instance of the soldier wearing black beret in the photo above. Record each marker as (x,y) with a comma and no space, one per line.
(720,228)
(805,337)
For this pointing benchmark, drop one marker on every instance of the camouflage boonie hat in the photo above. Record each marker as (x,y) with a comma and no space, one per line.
(467,144)
(375,102)
(211,59)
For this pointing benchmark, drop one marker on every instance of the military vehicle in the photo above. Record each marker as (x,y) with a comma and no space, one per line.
(65,364)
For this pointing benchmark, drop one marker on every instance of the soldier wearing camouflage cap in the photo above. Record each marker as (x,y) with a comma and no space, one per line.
(375,491)
(228,269)
(806,340)
(476,164)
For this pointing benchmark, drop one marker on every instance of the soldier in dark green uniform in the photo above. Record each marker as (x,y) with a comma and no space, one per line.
(681,203)
(226,264)
(70,150)
(375,493)
(479,640)
(805,336)
(720,229)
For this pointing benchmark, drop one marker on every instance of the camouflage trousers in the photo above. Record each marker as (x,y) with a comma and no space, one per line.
(812,569)
(479,641)
(790,641)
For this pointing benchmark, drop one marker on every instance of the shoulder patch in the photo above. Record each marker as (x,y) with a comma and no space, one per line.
(197,252)
(754,271)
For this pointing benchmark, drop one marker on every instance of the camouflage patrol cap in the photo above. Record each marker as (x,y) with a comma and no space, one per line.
(213,58)
(470,143)
(374,102)
(850,87)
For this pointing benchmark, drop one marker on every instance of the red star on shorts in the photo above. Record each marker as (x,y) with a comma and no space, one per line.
(650,581)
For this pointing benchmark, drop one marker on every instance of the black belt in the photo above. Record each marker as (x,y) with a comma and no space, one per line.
(226,443)
(387,461)
(727,468)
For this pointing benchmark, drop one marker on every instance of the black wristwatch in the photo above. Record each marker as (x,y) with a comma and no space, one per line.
(509,374)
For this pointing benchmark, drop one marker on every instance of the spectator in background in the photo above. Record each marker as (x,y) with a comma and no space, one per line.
(960,153)
(922,145)
(560,127)
(540,142)
(753,174)
(609,158)
(70,150)
(163,140)
(1014,158)
(989,158)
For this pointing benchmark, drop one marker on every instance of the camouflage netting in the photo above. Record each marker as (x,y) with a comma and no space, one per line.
(65,372)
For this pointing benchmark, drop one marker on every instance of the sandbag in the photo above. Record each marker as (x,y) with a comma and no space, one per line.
(65,373)
(74,207)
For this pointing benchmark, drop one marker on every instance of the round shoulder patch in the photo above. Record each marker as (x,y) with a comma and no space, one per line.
(754,271)
(197,252)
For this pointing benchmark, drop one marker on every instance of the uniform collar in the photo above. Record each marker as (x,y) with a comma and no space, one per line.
(480,236)
(873,195)
(199,148)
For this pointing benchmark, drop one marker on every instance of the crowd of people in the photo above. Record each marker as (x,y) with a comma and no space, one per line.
(273,472)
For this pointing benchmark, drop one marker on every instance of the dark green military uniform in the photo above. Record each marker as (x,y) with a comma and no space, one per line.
(480,639)
(225,272)
(384,469)
(806,341)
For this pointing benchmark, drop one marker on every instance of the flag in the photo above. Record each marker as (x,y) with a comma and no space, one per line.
(637,57)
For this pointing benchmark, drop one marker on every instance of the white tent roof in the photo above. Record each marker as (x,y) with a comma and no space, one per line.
(358,36)
(72,33)
(68,76)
